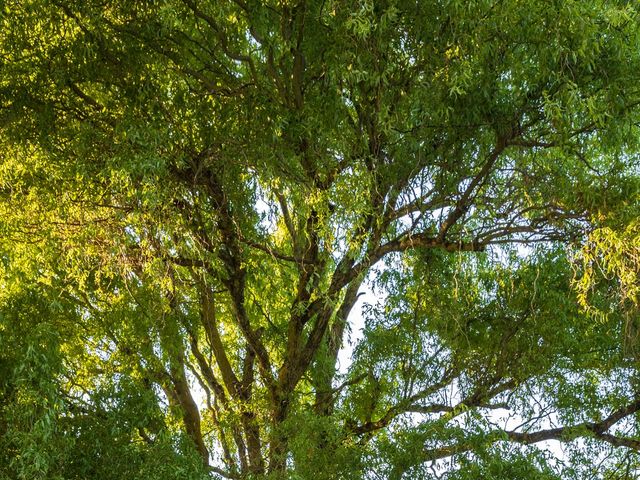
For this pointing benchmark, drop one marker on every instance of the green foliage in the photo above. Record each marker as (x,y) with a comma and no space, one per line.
(30,395)
(193,196)
(498,465)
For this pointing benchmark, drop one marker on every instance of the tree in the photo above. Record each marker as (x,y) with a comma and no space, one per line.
(196,194)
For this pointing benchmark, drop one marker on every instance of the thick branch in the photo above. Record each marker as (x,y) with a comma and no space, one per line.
(562,434)
(208,317)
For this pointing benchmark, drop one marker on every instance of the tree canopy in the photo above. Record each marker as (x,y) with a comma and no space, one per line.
(194,197)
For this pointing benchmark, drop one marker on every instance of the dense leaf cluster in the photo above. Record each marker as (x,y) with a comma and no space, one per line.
(194,197)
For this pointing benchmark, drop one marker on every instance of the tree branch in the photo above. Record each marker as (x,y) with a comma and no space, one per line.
(562,434)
